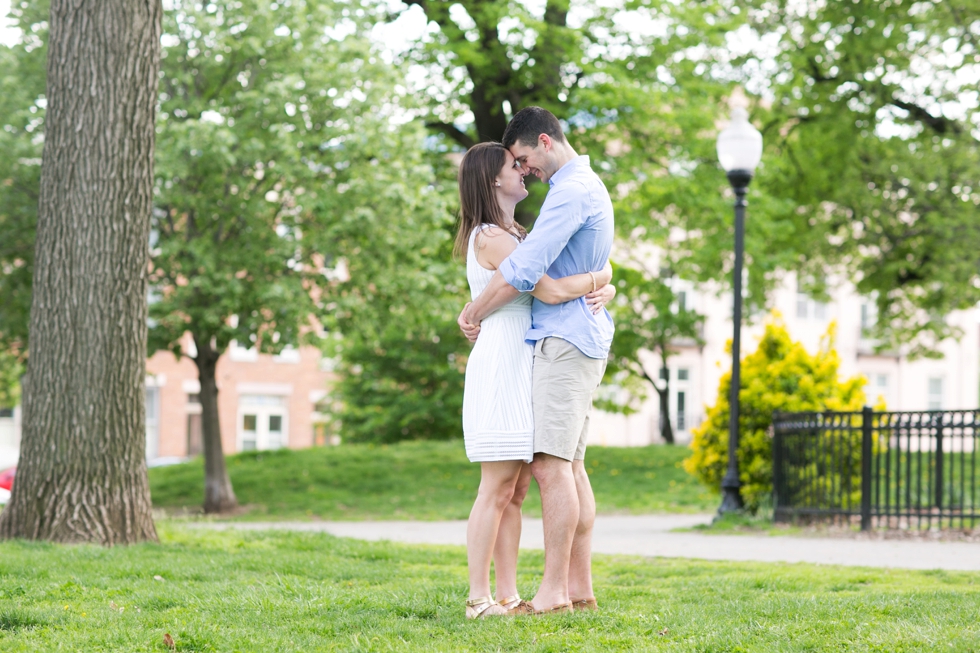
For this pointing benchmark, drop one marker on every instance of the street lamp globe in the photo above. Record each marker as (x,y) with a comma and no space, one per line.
(740,144)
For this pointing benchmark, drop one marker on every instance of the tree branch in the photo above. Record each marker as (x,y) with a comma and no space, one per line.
(453,132)
(939,124)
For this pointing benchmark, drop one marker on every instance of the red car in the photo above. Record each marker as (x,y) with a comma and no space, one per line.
(7,478)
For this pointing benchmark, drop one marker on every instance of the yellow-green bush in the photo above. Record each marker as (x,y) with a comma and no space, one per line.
(779,376)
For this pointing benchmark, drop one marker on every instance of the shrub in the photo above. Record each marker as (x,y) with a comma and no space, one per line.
(779,376)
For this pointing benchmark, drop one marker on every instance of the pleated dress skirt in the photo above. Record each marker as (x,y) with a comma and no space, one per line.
(498,423)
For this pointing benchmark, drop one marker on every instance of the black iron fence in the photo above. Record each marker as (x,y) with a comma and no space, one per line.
(893,469)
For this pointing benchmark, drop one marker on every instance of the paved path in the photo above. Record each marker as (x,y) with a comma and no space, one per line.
(648,535)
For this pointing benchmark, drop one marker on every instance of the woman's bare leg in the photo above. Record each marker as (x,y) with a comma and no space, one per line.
(509,539)
(497,483)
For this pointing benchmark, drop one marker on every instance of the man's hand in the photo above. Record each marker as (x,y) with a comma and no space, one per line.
(471,331)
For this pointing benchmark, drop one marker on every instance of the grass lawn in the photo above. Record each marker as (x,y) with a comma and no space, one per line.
(418,480)
(228,591)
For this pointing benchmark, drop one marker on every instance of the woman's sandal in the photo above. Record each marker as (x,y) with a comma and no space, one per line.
(510,602)
(476,607)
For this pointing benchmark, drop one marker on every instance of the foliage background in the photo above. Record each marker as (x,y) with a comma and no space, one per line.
(869,112)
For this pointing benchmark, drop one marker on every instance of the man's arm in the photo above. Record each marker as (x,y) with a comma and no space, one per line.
(562,215)
(497,293)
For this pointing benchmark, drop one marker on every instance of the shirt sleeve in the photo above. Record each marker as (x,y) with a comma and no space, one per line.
(562,215)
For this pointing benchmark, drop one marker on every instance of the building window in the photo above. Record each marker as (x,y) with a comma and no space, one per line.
(807,307)
(935,393)
(6,412)
(681,417)
(262,422)
(802,305)
(195,429)
(664,374)
(152,423)
(683,374)
(250,432)
(681,301)
(195,435)
(869,316)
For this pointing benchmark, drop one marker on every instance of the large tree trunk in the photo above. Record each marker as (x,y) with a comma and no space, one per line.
(82,472)
(218,493)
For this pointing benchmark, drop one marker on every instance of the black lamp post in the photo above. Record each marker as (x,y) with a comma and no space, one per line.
(739,151)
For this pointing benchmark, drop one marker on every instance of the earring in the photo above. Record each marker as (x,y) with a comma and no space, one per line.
(496,183)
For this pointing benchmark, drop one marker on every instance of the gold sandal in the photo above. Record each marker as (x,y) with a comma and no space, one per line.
(510,602)
(476,607)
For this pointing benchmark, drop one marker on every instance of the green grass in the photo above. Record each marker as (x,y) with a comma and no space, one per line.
(228,591)
(418,480)
(746,524)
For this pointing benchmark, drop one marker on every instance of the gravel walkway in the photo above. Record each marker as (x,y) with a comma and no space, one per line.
(649,535)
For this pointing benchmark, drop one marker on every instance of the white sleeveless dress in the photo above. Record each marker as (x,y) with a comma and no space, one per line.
(497,420)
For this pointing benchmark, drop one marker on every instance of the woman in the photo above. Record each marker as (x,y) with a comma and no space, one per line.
(498,425)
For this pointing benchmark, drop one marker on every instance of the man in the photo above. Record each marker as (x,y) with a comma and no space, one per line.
(572,235)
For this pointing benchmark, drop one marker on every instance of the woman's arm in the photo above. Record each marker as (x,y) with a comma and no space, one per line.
(493,245)
(558,291)
(597,300)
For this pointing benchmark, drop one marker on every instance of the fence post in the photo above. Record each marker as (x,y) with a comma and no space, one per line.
(777,468)
(867,416)
(938,489)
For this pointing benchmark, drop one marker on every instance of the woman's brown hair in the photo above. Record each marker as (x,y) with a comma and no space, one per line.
(477,201)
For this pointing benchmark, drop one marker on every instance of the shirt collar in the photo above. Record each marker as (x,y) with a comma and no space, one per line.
(570,167)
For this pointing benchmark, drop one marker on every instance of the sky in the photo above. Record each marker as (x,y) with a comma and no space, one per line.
(7,34)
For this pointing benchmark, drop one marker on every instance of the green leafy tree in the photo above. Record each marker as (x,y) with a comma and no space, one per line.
(649,320)
(639,104)
(267,122)
(400,355)
(873,139)
(779,376)
(22,109)
(868,110)
(11,371)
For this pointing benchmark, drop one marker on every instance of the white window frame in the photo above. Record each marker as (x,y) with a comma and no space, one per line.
(263,408)
(935,401)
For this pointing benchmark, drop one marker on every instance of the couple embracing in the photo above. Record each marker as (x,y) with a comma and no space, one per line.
(536,362)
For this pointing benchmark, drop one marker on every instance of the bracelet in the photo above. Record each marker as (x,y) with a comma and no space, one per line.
(593,280)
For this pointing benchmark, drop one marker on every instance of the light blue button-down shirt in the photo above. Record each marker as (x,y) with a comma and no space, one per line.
(572,235)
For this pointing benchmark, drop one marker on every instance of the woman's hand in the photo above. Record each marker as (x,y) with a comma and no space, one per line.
(598,299)
(471,331)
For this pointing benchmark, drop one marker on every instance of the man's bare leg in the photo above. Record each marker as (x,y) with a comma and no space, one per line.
(560,514)
(580,561)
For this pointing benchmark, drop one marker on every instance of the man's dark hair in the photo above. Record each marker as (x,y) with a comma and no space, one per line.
(528,124)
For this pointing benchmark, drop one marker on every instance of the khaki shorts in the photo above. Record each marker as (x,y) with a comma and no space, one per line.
(563,382)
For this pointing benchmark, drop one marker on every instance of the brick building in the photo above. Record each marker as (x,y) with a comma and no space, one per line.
(264,401)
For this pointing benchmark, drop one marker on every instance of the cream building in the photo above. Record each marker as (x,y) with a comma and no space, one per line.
(952,382)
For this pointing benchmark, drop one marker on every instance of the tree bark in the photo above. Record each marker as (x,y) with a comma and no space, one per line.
(218,493)
(666,430)
(82,473)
